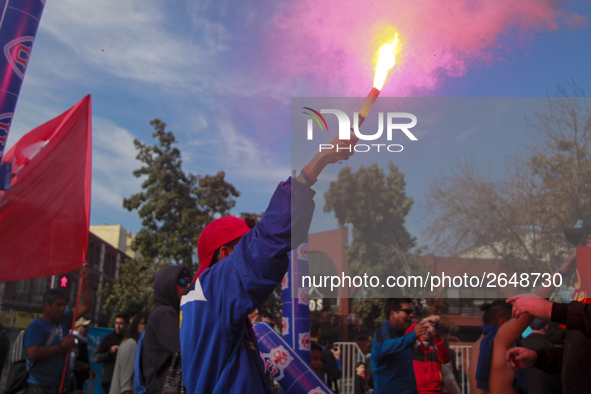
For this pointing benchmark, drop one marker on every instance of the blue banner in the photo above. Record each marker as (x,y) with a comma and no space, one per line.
(296,310)
(18,27)
(95,336)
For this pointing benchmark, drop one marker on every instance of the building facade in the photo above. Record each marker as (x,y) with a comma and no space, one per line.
(21,301)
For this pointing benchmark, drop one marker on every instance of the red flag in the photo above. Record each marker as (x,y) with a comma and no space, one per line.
(44,215)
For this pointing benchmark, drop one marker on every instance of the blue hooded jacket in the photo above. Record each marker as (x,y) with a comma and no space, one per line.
(391,360)
(215,308)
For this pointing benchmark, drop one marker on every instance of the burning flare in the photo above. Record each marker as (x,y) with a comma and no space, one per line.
(386,60)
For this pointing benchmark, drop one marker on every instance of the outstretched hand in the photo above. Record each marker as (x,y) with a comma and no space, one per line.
(422,328)
(530,303)
(520,357)
(431,319)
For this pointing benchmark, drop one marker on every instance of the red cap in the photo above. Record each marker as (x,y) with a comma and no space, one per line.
(215,235)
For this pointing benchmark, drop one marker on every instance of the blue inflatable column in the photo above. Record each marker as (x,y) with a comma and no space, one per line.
(296,299)
(18,26)
(293,374)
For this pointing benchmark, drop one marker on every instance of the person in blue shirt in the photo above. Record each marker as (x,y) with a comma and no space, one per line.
(47,340)
(239,268)
(391,350)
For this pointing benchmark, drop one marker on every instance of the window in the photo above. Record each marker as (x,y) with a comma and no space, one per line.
(22,286)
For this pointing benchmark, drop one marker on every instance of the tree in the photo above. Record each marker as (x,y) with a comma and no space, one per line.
(174,207)
(561,165)
(134,288)
(376,205)
(518,214)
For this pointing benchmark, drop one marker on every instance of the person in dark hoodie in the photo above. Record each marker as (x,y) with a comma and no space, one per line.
(162,340)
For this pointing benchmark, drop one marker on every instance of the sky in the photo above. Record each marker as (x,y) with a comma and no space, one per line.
(222,75)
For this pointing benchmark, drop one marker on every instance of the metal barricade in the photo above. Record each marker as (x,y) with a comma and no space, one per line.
(351,354)
(462,357)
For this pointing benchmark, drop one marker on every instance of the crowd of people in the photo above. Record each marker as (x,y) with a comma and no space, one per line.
(200,337)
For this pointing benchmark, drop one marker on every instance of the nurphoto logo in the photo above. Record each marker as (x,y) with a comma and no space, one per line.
(395,122)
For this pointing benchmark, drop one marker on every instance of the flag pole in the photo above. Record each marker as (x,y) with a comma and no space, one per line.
(72,333)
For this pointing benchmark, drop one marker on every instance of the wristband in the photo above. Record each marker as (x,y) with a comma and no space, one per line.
(59,345)
(312,177)
(560,272)
(307,178)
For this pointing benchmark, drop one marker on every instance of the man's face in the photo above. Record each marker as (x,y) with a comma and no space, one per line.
(120,325)
(402,317)
(317,363)
(56,310)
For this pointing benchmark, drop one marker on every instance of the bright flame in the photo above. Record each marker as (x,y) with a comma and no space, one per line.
(386,60)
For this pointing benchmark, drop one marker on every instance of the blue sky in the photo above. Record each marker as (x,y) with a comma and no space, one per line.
(222,74)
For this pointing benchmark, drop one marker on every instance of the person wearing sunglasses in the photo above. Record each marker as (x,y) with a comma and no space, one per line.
(391,354)
(161,340)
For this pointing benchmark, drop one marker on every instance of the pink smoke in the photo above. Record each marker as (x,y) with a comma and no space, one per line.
(332,41)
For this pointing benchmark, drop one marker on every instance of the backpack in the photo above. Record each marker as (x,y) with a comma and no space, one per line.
(19,371)
(173,383)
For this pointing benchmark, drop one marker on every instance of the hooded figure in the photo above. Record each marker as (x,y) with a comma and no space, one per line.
(161,340)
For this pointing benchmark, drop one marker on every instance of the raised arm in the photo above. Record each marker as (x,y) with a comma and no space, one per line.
(86,303)
(512,330)
(325,157)
(259,260)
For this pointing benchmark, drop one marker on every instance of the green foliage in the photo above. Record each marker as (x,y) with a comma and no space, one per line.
(133,289)
(174,206)
(371,312)
(376,205)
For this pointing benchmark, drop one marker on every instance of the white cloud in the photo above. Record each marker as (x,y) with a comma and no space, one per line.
(247,157)
(113,162)
(130,40)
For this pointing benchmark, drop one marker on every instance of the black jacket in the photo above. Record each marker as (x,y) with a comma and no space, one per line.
(573,359)
(162,339)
